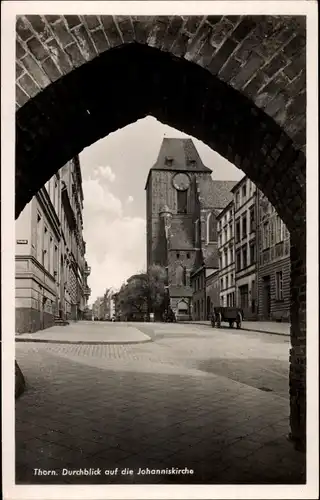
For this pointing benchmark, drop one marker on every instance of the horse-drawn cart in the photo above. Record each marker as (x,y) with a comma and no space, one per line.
(231,315)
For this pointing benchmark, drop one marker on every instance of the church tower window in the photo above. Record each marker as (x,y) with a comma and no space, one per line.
(182,201)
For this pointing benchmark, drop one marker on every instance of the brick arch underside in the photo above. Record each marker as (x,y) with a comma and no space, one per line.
(132,81)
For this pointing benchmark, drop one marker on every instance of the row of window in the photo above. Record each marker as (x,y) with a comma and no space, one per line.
(226,218)
(273,231)
(53,190)
(245,258)
(242,228)
(227,300)
(199,283)
(208,229)
(178,255)
(46,247)
(243,293)
(47,251)
(226,257)
(225,282)
(226,235)
(279,285)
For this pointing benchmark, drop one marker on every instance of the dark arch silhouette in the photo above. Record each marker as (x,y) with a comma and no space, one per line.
(132,81)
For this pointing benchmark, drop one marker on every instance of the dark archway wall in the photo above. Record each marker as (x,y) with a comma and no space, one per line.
(263,57)
(237,84)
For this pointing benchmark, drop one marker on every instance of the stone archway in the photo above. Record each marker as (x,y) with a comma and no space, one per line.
(237,84)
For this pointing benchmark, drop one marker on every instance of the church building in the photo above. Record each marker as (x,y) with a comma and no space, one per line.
(183,202)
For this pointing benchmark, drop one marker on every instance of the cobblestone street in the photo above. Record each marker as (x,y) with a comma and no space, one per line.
(215,401)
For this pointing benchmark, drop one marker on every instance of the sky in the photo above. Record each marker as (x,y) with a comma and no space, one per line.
(114,172)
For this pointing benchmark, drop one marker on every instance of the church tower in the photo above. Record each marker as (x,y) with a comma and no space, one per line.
(172,211)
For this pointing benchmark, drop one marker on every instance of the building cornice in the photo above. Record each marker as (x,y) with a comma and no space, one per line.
(37,264)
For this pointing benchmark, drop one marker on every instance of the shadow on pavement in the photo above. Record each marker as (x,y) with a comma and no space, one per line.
(269,375)
(75,417)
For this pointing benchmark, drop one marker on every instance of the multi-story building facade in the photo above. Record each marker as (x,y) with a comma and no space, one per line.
(273,264)
(182,204)
(51,271)
(226,256)
(245,209)
(254,255)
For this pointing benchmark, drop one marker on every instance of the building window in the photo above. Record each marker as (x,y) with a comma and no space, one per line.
(220,239)
(252,253)
(237,200)
(252,220)
(221,283)
(211,228)
(266,235)
(244,192)
(180,276)
(231,255)
(227,282)
(237,231)
(45,260)
(220,262)
(271,232)
(55,261)
(231,279)
(225,235)
(231,230)
(282,230)
(50,256)
(182,201)
(178,256)
(226,257)
(244,257)
(188,255)
(238,260)
(277,229)
(244,226)
(279,286)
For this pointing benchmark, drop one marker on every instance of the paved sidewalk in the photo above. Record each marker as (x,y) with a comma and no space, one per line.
(87,332)
(155,405)
(256,326)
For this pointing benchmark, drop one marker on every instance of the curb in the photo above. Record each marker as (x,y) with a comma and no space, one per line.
(85,342)
(244,329)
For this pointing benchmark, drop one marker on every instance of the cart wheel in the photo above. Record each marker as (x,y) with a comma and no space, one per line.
(239,320)
(219,319)
(230,324)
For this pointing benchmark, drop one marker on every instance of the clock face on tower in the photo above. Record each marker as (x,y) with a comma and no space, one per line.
(181,182)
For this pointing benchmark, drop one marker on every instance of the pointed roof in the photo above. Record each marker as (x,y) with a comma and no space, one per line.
(179,155)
